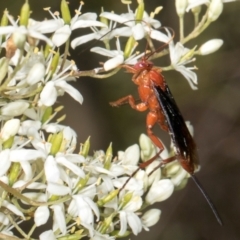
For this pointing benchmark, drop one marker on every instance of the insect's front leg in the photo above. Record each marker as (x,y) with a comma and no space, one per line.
(131,101)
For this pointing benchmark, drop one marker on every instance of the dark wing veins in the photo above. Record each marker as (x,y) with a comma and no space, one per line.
(180,135)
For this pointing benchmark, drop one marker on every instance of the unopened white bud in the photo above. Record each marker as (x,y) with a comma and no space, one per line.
(14,108)
(181,6)
(19,37)
(151,217)
(9,129)
(210,46)
(36,73)
(215,9)
(160,191)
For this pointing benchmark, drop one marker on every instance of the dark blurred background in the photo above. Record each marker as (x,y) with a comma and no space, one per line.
(214,111)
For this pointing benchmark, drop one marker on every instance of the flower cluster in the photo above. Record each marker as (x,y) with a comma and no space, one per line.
(41,177)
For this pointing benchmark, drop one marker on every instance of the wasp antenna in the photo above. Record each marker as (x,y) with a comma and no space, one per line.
(211,205)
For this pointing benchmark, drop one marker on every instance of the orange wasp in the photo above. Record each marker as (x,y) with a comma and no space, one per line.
(156,97)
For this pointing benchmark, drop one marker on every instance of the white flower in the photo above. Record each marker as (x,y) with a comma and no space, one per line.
(83,207)
(22,32)
(116,56)
(178,62)
(160,191)
(57,86)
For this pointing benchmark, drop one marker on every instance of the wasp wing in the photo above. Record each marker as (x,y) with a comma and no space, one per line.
(184,145)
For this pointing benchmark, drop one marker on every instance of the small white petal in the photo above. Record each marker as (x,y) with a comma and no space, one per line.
(61,35)
(83,39)
(36,73)
(135,204)
(41,215)
(40,36)
(157,35)
(49,235)
(27,169)
(74,168)
(87,23)
(51,168)
(48,26)
(73,92)
(14,108)
(6,30)
(134,222)
(19,155)
(58,189)
(4,161)
(138,31)
(105,52)
(114,62)
(123,223)
(131,155)
(115,17)
(48,95)
(59,217)
(12,208)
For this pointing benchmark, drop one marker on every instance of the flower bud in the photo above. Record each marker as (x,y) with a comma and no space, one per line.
(108,198)
(14,172)
(56,141)
(47,114)
(108,157)
(215,9)
(181,6)
(129,46)
(160,191)
(10,129)
(4,20)
(210,46)
(151,217)
(24,14)
(65,12)
(55,62)
(85,148)
(140,11)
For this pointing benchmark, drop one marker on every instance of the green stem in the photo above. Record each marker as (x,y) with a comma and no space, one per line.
(92,73)
(181,27)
